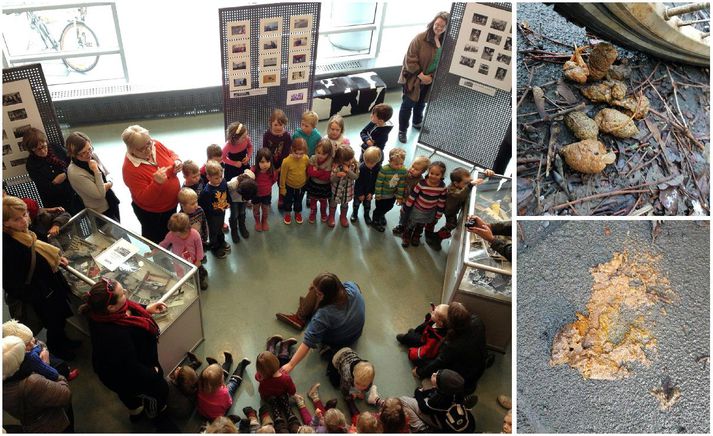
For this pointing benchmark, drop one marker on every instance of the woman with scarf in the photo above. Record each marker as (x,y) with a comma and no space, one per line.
(125,348)
(419,65)
(88,177)
(35,290)
(49,172)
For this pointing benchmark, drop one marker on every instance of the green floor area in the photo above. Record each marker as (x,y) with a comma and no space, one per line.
(269,271)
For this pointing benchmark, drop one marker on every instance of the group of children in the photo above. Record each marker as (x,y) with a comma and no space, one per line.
(323,168)
(211,392)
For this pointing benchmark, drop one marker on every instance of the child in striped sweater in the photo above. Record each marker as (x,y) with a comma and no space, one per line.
(389,187)
(425,205)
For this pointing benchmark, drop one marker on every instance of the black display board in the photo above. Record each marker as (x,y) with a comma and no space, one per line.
(297,33)
(460,121)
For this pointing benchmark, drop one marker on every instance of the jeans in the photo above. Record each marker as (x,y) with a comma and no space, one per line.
(237,213)
(215,231)
(408,105)
(293,197)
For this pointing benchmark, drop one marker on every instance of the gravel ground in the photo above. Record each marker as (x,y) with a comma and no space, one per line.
(554,282)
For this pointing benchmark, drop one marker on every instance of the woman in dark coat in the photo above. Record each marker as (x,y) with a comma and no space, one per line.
(464,349)
(49,172)
(125,348)
(45,290)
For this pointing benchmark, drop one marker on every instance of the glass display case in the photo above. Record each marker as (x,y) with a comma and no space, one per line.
(97,246)
(476,275)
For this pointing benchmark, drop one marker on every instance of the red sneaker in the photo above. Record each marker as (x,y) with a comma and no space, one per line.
(298,218)
(73,374)
(288,219)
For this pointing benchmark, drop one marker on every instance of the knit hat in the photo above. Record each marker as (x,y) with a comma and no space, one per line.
(15,328)
(449,382)
(13,353)
(32,207)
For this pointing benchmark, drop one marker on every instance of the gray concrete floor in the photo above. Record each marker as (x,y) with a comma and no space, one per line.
(554,282)
(268,272)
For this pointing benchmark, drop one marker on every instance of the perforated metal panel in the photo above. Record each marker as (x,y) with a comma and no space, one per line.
(254,111)
(460,121)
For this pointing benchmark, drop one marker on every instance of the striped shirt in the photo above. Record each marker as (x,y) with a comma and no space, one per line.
(390,182)
(426,197)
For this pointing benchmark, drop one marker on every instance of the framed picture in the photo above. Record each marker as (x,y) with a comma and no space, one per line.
(484,69)
(508,44)
(17,114)
(474,35)
(240,48)
(238,65)
(11,98)
(238,29)
(297,96)
(299,42)
(500,74)
(468,62)
(269,78)
(270,45)
(500,25)
(297,75)
(19,131)
(487,53)
(493,39)
(301,23)
(6,149)
(480,19)
(270,61)
(239,82)
(503,58)
(299,59)
(271,26)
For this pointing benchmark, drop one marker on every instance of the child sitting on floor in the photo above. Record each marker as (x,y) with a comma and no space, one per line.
(182,388)
(425,340)
(275,389)
(214,396)
(352,375)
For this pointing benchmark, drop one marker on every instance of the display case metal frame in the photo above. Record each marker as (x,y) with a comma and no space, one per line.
(179,335)
(494,309)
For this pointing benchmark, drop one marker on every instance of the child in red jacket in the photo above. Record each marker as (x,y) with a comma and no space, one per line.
(425,340)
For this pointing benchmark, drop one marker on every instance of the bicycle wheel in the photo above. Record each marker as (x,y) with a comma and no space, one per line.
(644,27)
(77,36)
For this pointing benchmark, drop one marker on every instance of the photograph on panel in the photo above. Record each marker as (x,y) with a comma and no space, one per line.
(613,109)
(613,327)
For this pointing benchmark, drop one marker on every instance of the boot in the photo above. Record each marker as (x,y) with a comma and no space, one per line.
(293,422)
(256,215)
(313,393)
(240,369)
(210,360)
(264,414)
(265,209)
(272,342)
(228,363)
(433,240)
(323,210)
(343,220)
(193,361)
(406,237)
(312,210)
(398,230)
(367,209)
(416,236)
(355,209)
(332,212)
(330,404)
(234,231)
(291,319)
(203,277)
(252,418)
(444,233)
(284,349)
(243,230)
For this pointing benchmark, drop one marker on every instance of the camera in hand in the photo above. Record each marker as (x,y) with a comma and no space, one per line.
(470,223)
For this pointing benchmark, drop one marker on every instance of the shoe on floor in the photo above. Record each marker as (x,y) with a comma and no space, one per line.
(298,218)
(288,219)
(402,137)
(505,401)
(417,126)
(291,319)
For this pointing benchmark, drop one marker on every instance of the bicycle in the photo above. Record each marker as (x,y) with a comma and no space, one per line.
(75,36)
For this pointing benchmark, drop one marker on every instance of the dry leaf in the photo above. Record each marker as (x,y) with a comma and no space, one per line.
(566,93)
(575,68)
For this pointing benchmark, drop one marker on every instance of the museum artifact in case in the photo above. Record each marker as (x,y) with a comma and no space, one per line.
(476,275)
(97,246)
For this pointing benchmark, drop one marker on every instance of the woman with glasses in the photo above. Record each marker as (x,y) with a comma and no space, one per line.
(150,172)
(88,177)
(420,63)
(36,292)
(125,348)
(49,172)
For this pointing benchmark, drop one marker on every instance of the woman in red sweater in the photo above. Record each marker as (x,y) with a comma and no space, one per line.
(150,172)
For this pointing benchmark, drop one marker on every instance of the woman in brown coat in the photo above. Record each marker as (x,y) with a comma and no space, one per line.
(420,63)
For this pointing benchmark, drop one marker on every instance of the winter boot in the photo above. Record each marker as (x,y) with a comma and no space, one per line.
(313,393)
(203,277)
(343,220)
(284,350)
(312,210)
(416,236)
(241,225)
(264,414)
(237,375)
(398,230)
(332,212)
(355,211)
(193,361)
(291,319)
(406,237)
(265,209)
(433,240)
(444,233)
(252,418)
(234,230)
(228,363)
(293,422)
(210,360)
(323,210)
(256,215)
(367,209)
(272,342)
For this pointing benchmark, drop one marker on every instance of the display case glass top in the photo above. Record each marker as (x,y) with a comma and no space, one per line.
(97,246)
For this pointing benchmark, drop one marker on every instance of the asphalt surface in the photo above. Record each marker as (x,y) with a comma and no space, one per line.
(553,282)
